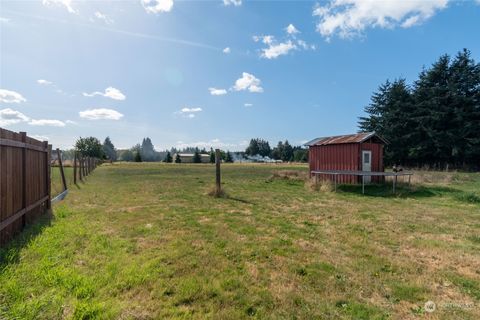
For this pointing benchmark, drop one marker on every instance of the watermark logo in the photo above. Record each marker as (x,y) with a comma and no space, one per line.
(430,306)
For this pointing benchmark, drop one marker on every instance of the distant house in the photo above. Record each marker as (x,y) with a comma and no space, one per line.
(188,157)
(352,152)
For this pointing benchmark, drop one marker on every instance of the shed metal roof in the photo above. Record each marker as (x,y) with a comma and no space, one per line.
(348,138)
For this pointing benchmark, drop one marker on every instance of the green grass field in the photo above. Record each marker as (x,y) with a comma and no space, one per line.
(145,241)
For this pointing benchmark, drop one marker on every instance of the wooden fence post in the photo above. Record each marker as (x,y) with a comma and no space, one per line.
(62,173)
(75,167)
(82,163)
(80,167)
(24,177)
(218,184)
(48,159)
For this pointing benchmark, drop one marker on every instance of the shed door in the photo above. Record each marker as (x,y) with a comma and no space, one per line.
(367,163)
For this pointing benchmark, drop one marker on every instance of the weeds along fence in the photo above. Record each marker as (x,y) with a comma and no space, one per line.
(24,181)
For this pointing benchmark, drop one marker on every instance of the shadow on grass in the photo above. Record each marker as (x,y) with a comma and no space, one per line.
(222,194)
(405,191)
(239,200)
(10,252)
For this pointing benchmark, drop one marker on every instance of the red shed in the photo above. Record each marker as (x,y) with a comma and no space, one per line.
(353,152)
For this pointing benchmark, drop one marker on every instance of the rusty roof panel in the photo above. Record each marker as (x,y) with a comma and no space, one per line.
(349,138)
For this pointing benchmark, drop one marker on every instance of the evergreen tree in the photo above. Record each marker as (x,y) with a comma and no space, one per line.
(228,157)
(465,87)
(178,159)
(147,150)
(252,148)
(433,114)
(196,157)
(258,146)
(109,149)
(436,121)
(138,157)
(212,155)
(277,151)
(287,152)
(168,157)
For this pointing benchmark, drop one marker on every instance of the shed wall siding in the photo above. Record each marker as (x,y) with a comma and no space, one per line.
(335,157)
(345,157)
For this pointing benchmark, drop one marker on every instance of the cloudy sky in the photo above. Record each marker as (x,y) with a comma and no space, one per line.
(215,72)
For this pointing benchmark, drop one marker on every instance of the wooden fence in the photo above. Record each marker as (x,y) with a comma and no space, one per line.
(24,181)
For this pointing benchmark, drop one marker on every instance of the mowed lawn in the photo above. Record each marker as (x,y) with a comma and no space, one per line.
(146,241)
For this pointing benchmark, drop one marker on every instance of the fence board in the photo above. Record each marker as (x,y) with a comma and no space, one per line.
(24,181)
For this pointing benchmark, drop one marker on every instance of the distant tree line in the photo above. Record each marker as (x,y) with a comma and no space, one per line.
(145,151)
(283,151)
(435,121)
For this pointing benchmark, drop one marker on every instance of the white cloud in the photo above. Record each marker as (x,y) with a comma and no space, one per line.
(100,114)
(9,116)
(236,3)
(227,49)
(291,29)
(8,96)
(71,122)
(66,3)
(265,39)
(157,6)
(217,92)
(44,82)
(190,110)
(248,105)
(104,17)
(110,92)
(304,45)
(248,82)
(275,50)
(349,18)
(47,122)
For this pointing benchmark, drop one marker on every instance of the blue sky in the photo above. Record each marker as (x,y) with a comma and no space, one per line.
(293,70)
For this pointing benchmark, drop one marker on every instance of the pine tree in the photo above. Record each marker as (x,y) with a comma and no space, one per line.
(138,157)
(287,152)
(147,150)
(168,157)
(109,149)
(277,151)
(178,159)
(212,156)
(252,148)
(465,86)
(196,157)
(228,157)
(433,114)
(436,121)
